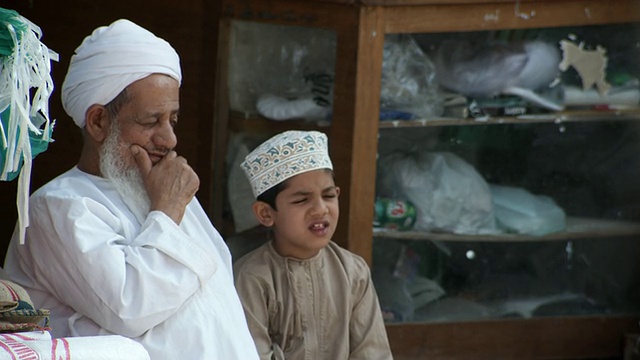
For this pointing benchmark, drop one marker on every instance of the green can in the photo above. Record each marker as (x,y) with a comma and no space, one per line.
(394,214)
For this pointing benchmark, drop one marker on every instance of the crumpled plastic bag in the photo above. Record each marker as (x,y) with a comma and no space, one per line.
(281,72)
(280,108)
(448,193)
(487,69)
(408,79)
(519,211)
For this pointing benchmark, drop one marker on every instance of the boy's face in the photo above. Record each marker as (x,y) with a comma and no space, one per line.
(307,214)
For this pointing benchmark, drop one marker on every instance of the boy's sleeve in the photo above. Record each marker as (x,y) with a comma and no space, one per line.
(368,336)
(254,293)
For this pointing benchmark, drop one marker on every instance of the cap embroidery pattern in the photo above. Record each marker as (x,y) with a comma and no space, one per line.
(285,155)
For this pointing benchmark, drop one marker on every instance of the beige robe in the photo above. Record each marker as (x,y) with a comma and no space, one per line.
(322,308)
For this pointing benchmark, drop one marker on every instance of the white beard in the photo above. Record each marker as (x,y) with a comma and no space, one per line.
(126,179)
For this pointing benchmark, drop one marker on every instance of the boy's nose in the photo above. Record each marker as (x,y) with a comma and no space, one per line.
(319,208)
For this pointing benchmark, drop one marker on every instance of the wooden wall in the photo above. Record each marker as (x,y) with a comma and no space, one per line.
(189,25)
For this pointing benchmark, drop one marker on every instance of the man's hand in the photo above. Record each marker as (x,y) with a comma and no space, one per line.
(170,184)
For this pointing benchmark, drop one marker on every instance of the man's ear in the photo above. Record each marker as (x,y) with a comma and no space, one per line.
(98,122)
(263,212)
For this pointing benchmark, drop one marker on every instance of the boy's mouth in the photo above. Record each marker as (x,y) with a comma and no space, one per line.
(319,226)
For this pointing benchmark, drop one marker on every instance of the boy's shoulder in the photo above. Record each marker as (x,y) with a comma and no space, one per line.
(256,261)
(350,261)
(332,246)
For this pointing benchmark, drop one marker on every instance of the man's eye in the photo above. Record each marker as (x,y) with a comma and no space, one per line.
(148,123)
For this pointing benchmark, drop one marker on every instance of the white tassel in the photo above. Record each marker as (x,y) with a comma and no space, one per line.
(29,66)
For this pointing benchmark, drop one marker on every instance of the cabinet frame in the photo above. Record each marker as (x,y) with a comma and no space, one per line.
(360,27)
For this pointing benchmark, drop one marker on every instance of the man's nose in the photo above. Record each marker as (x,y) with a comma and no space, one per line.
(165,136)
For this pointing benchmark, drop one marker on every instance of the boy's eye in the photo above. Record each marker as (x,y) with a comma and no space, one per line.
(330,195)
(299,201)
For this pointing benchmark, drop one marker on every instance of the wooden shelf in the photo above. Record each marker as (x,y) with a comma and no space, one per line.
(557,117)
(577,228)
(253,123)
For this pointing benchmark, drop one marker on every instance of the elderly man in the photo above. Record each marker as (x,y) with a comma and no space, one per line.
(119,244)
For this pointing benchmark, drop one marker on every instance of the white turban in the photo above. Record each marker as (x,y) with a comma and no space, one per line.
(110,59)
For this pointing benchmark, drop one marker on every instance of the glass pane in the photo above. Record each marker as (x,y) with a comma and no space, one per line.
(485,213)
(281,72)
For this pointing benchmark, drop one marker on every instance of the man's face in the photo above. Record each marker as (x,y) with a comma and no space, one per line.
(149,118)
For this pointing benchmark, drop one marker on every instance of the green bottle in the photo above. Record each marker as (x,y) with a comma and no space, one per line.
(394,214)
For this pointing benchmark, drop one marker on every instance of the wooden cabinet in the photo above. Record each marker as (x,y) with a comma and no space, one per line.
(360,28)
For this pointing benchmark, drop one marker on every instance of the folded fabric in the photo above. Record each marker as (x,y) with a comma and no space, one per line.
(39,345)
(17,312)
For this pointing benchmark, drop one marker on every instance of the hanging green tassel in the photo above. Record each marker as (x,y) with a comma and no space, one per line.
(25,87)
(37,142)
(10,18)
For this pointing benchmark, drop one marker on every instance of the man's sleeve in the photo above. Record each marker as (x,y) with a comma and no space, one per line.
(125,283)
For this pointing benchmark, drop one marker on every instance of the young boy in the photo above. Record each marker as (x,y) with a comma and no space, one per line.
(304,296)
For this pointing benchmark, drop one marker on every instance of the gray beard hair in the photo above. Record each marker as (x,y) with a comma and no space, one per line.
(127,181)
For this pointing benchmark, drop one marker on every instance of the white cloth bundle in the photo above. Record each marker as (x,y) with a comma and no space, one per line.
(110,59)
(40,345)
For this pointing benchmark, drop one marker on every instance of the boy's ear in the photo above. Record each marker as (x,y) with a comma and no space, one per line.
(97,122)
(263,212)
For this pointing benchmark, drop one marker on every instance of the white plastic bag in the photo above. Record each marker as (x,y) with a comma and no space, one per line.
(285,66)
(449,194)
(408,78)
(519,211)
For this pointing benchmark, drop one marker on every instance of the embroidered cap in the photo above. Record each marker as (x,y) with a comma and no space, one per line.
(17,312)
(285,155)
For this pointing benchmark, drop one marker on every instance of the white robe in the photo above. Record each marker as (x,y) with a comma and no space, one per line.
(88,260)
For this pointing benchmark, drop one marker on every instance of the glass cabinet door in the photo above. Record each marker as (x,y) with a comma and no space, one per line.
(517,196)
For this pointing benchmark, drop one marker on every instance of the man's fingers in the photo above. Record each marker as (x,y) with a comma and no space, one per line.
(142,159)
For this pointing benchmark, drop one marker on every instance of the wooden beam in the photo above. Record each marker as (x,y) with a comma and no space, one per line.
(537,338)
(220,129)
(513,15)
(354,130)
